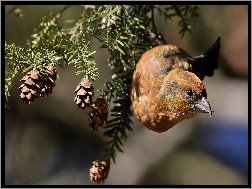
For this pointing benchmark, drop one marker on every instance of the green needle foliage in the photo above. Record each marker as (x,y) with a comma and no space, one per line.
(122,30)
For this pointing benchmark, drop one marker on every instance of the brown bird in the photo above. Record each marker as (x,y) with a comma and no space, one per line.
(167,85)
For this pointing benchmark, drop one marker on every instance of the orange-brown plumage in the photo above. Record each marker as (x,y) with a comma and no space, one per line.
(167,87)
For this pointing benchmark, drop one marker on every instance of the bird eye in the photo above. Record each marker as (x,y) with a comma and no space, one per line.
(189,92)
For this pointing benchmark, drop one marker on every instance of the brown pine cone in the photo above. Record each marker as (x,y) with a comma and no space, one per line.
(98,114)
(100,170)
(36,84)
(48,78)
(84,93)
(31,86)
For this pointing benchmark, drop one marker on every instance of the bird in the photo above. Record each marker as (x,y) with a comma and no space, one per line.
(167,85)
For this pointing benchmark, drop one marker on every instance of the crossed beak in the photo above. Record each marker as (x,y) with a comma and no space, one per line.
(203,106)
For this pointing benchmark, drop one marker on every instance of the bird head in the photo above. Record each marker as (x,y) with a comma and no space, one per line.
(184,95)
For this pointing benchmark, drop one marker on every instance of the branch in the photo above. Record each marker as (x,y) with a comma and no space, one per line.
(53,21)
(11,10)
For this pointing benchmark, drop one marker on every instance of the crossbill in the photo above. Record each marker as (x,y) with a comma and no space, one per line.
(167,85)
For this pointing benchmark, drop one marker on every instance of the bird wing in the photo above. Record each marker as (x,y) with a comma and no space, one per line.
(204,65)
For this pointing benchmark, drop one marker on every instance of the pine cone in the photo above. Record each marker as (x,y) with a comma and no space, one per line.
(36,84)
(31,86)
(84,93)
(100,170)
(48,78)
(98,114)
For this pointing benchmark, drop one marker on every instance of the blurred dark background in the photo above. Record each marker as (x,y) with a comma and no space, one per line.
(49,141)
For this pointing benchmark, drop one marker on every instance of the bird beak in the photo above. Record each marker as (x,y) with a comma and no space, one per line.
(203,106)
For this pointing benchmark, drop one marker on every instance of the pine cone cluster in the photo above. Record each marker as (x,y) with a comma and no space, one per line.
(84,93)
(98,114)
(99,109)
(38,84)
(100,170)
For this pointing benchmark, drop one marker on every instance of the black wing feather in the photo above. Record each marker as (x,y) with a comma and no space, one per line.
(204,65)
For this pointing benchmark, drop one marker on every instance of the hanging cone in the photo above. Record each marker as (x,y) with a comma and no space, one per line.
(36,84)
(100,170)
(98,114)
(84,93)
(30,87)
(48,78)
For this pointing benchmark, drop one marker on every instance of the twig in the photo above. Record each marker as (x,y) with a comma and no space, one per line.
(10,11)
(112,147)
(75,28)
(35,42)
